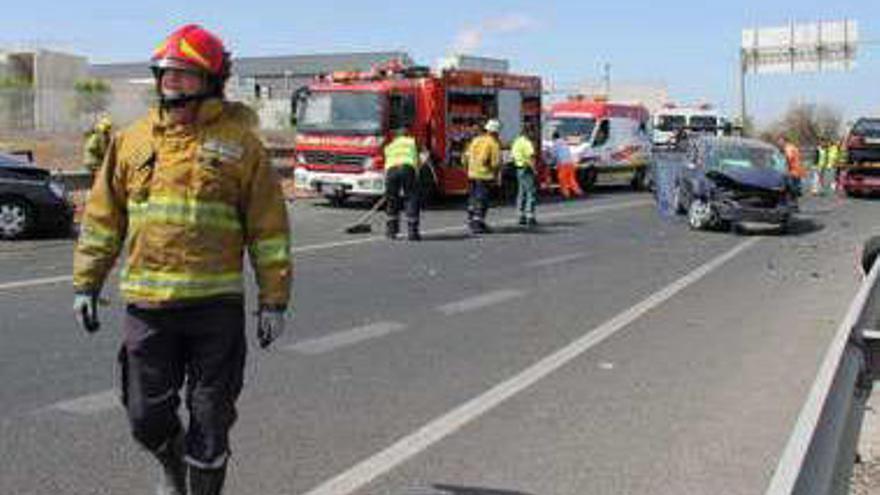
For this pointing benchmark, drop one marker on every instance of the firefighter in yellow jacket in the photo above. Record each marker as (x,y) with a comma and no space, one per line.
(182,193)
(483,158)
(96,144)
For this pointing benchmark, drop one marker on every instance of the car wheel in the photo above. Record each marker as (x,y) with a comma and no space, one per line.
(586,178)
(16,218)
(700,214)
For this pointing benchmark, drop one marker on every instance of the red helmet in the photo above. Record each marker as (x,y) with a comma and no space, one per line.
(192,46)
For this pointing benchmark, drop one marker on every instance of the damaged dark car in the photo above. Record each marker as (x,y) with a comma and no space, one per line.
(31,202)
(729,183)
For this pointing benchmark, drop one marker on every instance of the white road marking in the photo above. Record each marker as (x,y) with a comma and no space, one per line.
(89,404)
(480,301)
(557,260)
(353,242)
(36,281)
(346,338)
(411,445)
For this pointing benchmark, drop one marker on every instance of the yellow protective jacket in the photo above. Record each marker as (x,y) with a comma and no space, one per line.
(183,202)
(483,157)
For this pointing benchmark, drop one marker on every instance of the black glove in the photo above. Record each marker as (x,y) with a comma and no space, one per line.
(85,306)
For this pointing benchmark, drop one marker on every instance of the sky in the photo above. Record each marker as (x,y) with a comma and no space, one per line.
(689,46)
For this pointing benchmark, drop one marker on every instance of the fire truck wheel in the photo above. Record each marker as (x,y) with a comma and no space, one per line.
(337,200)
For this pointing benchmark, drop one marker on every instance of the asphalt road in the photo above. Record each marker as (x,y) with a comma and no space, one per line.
(611,351)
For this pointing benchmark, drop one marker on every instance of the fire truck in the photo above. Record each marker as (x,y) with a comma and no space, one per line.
(609,141)
(345,119)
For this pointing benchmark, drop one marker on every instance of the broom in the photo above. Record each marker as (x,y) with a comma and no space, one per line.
(362,225)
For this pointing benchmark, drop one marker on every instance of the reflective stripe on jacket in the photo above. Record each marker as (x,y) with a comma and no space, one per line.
(483,157)
(401,151)
(183,203)
(523,152)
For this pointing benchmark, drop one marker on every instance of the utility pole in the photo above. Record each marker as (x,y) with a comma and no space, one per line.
(606,77)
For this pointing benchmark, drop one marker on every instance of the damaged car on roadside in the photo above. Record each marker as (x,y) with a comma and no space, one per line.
(730,183)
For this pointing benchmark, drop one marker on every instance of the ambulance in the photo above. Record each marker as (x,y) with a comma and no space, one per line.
(609,141)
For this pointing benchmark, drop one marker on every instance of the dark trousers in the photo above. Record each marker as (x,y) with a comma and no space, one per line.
(402,190)
(478,201)
(202,346)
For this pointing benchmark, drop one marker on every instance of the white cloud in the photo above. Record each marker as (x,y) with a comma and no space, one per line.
(469,39)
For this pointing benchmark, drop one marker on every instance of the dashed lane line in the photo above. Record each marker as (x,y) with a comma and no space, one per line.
(480,301)
(556,260)
(346,338)
(89,404)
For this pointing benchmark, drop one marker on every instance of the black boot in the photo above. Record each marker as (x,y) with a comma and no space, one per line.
(392,227)
(206,481)
(170,456)
(413,233)
(523,221)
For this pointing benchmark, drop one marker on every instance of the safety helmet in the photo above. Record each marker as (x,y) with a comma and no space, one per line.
(493,126)
(192,48)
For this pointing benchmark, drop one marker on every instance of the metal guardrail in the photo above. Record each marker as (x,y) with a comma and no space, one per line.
(821,451)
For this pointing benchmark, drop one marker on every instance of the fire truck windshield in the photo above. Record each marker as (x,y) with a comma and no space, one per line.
(344,112)
(579,127)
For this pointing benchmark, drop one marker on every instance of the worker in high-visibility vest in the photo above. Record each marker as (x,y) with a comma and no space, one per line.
(182,193)
(832,162)
(402,185)
(483,158)
(523,151)
(96,144)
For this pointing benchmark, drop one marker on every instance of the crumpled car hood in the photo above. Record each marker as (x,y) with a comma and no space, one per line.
(749,178)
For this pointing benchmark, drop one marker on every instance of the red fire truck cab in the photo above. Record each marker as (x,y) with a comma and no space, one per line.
(345,120)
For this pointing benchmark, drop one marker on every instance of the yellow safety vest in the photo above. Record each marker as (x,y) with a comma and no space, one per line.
(523,152)
(401,151)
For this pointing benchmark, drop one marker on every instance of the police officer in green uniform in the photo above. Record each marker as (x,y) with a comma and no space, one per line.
(402,185)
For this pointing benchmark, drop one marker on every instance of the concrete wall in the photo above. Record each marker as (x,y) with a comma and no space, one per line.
(54,77)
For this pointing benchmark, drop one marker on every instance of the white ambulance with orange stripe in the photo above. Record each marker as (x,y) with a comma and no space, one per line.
(610,141)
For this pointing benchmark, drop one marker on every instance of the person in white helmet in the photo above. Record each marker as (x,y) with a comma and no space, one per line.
(483,158)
